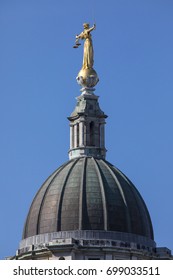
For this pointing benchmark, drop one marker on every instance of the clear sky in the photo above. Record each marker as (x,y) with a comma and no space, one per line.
(133,46)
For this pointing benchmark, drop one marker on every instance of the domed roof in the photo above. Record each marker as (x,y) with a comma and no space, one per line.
(87,193)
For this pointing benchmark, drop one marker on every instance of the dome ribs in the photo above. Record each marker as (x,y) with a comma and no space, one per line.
(107,165)
(105,215)
(59,202)
(88,194)
(146,220)
(144,226)
(28,222)
(81,197)
(93,212)
(42,202)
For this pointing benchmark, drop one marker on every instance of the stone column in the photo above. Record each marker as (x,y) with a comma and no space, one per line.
(75,136)
(87,134)
(71,137)
(84,124)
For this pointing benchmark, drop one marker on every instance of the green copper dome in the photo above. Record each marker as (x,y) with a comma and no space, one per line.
(87,193)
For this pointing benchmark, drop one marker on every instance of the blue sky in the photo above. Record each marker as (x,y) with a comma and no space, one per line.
(133,46)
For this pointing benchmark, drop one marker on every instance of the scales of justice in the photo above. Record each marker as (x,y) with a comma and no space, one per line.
(87,77)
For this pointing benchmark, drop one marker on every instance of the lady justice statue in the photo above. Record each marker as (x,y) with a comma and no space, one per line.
(87,76)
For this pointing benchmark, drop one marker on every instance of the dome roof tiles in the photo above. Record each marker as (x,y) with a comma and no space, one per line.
(88,194)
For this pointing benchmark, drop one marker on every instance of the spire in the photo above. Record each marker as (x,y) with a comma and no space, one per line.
(87,122)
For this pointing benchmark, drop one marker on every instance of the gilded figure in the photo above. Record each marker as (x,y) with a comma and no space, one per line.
(88,55)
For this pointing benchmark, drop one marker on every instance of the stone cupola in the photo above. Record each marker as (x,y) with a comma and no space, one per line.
(87,128)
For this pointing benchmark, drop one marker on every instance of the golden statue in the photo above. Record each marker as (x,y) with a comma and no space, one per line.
(88,55)
(87,76)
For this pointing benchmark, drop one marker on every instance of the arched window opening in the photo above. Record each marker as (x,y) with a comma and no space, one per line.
(92,134)
(102,140)
(99,135)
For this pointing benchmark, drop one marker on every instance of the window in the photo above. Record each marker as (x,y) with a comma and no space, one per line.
(92,138)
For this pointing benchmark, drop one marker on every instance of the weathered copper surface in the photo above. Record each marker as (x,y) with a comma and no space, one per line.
(88,194)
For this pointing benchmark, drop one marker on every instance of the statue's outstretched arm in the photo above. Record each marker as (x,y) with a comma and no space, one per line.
(92,28)
(80,36)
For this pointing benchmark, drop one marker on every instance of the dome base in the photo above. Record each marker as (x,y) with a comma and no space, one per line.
(102,237)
